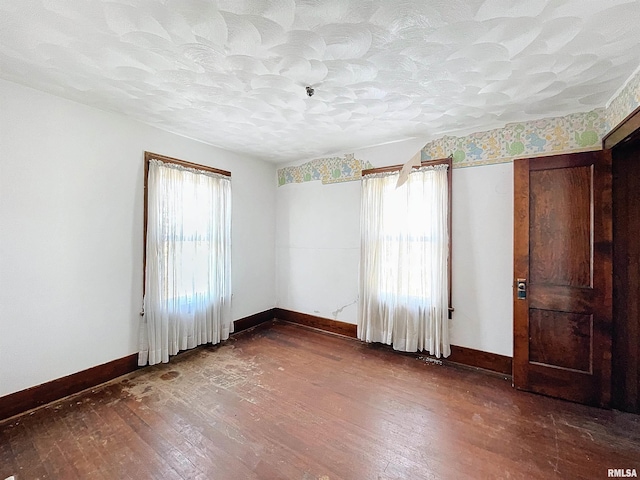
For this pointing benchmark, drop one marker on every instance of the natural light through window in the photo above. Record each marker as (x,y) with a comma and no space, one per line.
(404,266)
(188,258)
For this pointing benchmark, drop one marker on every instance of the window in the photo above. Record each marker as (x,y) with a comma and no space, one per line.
(187,274)
(405,268)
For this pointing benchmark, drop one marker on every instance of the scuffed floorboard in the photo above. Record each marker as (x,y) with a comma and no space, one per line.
(286,401)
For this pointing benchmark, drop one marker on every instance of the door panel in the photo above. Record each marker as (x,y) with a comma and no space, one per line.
(559,236)
(562,329)
(560,298)
(560,339)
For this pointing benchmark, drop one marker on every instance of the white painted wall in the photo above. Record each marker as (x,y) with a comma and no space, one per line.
(482,267)
(317,244)
(318,249)
(318,240)
(71,202)
(71,208)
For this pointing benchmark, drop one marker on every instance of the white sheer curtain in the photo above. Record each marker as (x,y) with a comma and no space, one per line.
(188,261)
(404,259)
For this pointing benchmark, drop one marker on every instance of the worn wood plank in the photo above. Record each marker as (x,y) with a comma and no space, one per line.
(24,400)
(286,401)
(459,355)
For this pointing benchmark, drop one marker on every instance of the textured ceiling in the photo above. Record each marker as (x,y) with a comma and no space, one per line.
(232,72)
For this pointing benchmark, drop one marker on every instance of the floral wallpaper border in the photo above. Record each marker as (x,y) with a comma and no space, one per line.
(625,103)
(328,170)
(571,133)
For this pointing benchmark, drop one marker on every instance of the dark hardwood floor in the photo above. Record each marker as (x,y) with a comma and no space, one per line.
(286,401)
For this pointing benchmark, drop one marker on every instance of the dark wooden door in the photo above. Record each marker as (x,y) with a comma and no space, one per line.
(626,276)
(562,253)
